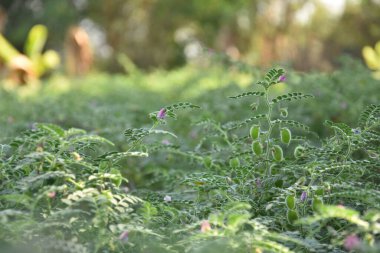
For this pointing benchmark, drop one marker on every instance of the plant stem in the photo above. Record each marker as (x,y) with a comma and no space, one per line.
(269,115)
(135,143)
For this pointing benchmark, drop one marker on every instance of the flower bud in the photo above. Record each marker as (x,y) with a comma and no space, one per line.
(161,114)
(205,226)
(282,78)
(51,195)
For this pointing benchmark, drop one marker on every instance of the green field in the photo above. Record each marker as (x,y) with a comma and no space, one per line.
(88,165)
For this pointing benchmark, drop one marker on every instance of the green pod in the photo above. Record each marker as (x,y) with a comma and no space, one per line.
(277,153)
(292,216)
(254,132)
(257,147)
(290,202)
(299,151)
(207,161)
(234,162)
(316,203)
(286,135)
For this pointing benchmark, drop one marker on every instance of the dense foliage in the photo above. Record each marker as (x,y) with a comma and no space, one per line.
(242,172)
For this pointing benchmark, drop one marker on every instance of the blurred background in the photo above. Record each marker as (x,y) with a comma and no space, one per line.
(151,34)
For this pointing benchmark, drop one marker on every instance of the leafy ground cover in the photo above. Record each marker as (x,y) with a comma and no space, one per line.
(250,162)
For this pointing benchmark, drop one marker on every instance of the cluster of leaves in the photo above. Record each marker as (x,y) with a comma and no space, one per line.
(60,192)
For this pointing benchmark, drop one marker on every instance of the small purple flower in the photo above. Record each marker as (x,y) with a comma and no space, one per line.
(258,183)
(161,114)
(193,134)
(282,78)
(303,196)
(356,131)
(124,236)
(351,242)
(165,142)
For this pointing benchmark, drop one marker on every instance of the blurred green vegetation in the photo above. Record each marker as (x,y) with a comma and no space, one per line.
(107,104)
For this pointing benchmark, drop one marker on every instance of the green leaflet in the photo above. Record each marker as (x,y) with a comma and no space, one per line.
(245,94)
(290,97)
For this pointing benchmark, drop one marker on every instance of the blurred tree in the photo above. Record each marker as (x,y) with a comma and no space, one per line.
(155,33)
(146,29)
(78,51)
(56,15)
(359,26)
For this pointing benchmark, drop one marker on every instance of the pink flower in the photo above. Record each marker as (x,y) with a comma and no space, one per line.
(282,78)
(205,226)
(51,195)
(124,236)
(351,242)
(161,114)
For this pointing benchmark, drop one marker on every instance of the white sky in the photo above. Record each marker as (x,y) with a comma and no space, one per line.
(335,6)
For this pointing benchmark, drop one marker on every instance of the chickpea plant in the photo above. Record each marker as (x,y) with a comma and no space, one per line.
(261,184)
(265,145)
